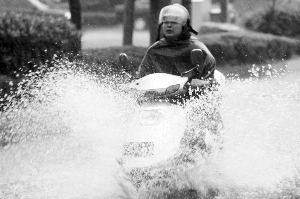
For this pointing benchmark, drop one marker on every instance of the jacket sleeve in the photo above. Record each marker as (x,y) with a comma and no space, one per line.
(145,67)
(209,67)
(209,62)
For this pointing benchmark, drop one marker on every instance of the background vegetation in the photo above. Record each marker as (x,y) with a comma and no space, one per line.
(95,13)
(29,40)
(277,21)
(238,48)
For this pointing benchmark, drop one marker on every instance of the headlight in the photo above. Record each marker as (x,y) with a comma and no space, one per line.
(150,117)
(172,89)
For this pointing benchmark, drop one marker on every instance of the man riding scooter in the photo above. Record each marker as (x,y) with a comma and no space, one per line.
(163,133)
(176,54)
(171,54)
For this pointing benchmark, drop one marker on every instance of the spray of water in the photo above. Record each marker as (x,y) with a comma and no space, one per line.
(65,128)
(260,154)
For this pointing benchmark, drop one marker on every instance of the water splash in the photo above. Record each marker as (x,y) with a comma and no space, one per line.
(65,127)
(260,155)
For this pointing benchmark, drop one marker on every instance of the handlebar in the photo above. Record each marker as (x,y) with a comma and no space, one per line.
(197,57)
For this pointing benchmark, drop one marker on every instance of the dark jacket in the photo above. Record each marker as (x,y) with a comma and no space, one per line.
(173,57)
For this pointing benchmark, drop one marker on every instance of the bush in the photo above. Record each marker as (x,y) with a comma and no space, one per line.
(109,57)
(275,21)
(250,47)
(28,40)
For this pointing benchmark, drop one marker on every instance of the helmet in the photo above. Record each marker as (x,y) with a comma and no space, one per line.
(174,13)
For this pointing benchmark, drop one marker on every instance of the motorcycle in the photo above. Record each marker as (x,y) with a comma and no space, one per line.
(158,125)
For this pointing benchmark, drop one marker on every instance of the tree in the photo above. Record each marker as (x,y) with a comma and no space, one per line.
(75,10)
(155,7)
(223,4)
(188,5)
(128,22)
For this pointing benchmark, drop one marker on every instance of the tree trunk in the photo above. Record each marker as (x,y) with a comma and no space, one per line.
(155,7)
(128,22)
(188,5)
(223,10)
(75,10)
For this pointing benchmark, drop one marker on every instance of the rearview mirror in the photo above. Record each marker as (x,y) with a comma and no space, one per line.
(123,59)
(197,57)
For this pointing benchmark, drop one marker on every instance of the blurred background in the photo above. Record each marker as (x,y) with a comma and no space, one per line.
(102,21)
(239,33)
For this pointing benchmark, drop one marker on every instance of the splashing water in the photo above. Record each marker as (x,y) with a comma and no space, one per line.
(260,157)
(66,130)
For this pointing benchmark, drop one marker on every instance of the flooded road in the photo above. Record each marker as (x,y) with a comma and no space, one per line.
(71,127)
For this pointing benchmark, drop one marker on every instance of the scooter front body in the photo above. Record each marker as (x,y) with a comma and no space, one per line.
(158,125)
(154,134)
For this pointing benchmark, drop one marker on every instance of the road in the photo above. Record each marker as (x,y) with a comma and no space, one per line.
(112,36)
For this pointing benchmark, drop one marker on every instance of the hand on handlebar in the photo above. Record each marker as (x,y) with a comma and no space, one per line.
(137,75)
(198,83)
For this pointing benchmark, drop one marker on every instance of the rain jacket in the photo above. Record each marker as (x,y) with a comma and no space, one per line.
(173,57)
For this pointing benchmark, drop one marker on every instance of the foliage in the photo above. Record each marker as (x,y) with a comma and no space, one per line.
(282,22)
(250,47)
(28,40)
(109,57)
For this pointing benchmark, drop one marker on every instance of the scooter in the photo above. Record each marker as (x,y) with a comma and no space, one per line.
(157,127)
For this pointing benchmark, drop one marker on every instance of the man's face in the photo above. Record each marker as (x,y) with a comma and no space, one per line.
(171,30)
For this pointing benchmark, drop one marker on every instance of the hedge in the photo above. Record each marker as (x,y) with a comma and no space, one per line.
(282,22)
(250,47)
(28,40)
(108,57)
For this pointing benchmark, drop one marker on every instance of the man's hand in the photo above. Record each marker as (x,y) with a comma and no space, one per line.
(198,83)
(137,75)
